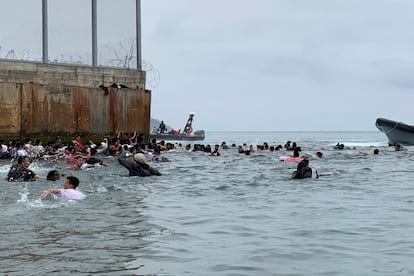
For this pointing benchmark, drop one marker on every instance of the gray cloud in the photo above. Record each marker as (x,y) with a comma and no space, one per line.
(243,65)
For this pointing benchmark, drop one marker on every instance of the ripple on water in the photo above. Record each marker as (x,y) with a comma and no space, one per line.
(227,215)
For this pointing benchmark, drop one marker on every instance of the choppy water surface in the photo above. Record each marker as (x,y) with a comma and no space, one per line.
(227,215)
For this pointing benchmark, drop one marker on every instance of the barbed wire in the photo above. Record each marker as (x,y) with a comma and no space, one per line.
(117,55)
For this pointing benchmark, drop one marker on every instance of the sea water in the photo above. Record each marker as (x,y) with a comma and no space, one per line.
(228,215)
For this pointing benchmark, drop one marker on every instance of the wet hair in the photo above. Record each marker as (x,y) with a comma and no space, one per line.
(302,164)
(376,151)
(74,181)
(319,154)
(295,153)
(53,175)
(21,158)
(71,149)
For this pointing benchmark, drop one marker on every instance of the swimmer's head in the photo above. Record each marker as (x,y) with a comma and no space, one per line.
(140,158)
(53,175)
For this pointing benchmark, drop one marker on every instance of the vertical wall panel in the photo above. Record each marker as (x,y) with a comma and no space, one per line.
(65,100)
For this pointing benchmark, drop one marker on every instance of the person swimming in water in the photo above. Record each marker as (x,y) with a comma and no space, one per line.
(138,166)
(92,161)
(157,157)
(68,192)
(21,171)
(53,175)
(304,171)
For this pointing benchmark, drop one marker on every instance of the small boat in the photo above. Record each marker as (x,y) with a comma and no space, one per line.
(397,132)
(177,135)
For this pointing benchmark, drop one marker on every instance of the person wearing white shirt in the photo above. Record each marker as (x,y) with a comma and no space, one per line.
(68,192)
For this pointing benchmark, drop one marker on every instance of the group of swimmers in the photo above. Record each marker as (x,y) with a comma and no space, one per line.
(78,155)
(131,155)
(21,172)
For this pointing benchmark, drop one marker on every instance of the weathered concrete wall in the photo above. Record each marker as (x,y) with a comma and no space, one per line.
(47,99)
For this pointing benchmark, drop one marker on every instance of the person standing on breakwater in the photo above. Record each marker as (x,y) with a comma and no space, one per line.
(138,166)
(69,190)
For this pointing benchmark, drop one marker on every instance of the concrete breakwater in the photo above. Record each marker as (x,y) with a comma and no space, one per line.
(44,99)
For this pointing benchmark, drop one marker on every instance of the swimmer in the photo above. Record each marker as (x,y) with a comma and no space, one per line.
(68,192)
(91,160)
(157,157)
(21,171)
(78,165)
(304,171)
(138,166)
(53,175)
(376,152)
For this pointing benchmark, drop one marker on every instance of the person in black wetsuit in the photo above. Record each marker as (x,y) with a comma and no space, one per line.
(138,166)
(304,171)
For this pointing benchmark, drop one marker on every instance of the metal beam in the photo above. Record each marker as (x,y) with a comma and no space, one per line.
(45,50)
(94,35)
(138,31)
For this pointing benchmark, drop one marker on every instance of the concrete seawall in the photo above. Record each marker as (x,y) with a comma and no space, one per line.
(44,99)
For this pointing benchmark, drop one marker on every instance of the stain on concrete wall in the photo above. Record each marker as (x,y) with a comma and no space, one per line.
(66,104)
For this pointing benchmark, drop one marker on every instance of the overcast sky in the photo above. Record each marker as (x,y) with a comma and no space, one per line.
(266,65)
